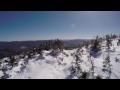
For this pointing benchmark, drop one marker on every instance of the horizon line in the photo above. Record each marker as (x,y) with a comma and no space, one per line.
(42,40)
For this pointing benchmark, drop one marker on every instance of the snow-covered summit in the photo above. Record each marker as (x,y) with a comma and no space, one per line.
(65,64)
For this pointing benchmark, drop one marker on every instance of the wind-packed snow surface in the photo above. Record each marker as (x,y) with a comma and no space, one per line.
(59,67)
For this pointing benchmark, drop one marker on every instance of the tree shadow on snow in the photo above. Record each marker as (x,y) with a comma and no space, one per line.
(110,50)
(95,54)
(22,68)
(69,76)
(38,58)
(50,62)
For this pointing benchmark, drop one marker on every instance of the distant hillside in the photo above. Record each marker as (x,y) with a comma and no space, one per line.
(75,42)
(21,46)
(16,45)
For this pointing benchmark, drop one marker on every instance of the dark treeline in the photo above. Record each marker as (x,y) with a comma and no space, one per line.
(17,47)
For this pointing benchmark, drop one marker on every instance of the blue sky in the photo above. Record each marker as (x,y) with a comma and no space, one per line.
(42,25)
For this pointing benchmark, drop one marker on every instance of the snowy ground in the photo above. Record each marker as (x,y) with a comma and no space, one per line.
(50,67)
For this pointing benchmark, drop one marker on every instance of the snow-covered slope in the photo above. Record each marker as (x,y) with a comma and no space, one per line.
(59,67)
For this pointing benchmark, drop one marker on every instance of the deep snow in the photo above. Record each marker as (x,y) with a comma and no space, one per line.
(51,67)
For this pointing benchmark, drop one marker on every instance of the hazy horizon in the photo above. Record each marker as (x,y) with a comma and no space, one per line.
(44,39)
(46,25)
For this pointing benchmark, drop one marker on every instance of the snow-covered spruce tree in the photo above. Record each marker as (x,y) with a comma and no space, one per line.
(65,54)
(78,60)
(107,37)
(76,65)
(18,53)
(86,45)
(4,69)
(103,38)
(55,51)
(5,76)
(29,55)
(92,66)
(111,36)
(12,60)
(107,66)
(58,46)
(116,59)
(118,43)
(97,37)
(100,40)
(40,52)
(48,45)
(23,55)
(98,77)
(109,43)
(41,48)
(92,41)
(84,75)
(79,51)
(114,36)
(0,63)
(34,49)
(76,68)
(95,46)
(79,46)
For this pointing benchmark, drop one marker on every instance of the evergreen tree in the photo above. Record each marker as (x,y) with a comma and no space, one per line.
(97,37)
(109,43)
(111,36)
(34,49)
(98,77)
(12,60)
(86,44)
(79,46)
(95,47)
(84,75)
(29,55)
(118,43)
(92,41)
(46,46)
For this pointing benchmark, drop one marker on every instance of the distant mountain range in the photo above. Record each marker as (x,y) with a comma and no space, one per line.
(17,45)
(75,42)
(20,46)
